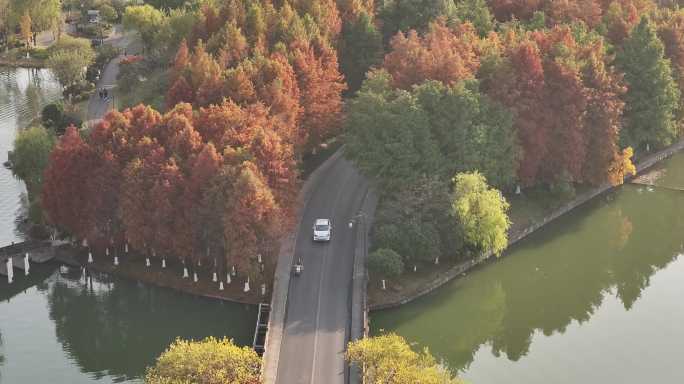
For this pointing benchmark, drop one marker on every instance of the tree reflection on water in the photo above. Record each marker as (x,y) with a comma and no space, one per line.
(560,275)
(117,328)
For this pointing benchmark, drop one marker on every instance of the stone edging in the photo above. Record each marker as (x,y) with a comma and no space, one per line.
(463,267)
(359,304)
(281,278)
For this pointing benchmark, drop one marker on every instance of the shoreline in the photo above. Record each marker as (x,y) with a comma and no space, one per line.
(133,268)
(22,63)
(459,268)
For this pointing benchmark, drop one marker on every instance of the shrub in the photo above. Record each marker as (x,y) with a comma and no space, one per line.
(385,262)
(52,115)
(40,53)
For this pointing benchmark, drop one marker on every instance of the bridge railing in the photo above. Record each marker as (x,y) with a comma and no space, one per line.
(259,341)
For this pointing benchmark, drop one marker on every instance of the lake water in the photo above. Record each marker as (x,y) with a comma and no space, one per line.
(595,297)
(57,328)
(23,93)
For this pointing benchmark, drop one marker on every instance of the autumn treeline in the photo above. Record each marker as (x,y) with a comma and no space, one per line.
(251,88)
(566,85)
(531,93)
(528,92)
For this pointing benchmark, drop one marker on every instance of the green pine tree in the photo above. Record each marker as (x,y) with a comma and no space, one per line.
(652,97)
(361,49)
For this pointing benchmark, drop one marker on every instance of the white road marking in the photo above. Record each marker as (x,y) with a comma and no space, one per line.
(320,285)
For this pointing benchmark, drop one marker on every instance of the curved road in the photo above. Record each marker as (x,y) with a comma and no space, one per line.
(97,107)
(318,313)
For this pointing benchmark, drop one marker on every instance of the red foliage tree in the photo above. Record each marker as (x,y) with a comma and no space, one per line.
(203,170)
(271,81)
(318,74)
(566,144)
(178,134)
(567,11)
(567,106)
(63,194)
(180,92)
(620,16)
(205,76)
(180,61)
(139,177)
(604,111)
(251,210)
(519,84)
(442,54)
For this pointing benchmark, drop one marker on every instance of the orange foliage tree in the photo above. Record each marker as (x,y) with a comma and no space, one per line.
(148,179)
(444,54)
(567,106)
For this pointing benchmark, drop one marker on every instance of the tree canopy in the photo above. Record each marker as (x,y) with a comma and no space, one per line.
(69,58)
(481,213)
(388,359)
(652,98)
(210,361)
(32,148)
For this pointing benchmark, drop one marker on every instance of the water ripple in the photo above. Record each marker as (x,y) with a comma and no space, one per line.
(23,93)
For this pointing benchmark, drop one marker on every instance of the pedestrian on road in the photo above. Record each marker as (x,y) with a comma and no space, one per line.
(99,92)
(105,94)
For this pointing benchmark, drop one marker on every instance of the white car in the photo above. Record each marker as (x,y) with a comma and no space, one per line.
(322,230)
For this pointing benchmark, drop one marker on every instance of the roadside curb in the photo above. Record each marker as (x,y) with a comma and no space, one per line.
(359,304)
(281,279)
(466,266)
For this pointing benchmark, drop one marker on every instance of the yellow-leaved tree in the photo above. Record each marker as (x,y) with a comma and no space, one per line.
(388,359)
(210,361)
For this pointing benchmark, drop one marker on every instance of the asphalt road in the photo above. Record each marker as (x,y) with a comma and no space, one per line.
(318,316)
(98,107)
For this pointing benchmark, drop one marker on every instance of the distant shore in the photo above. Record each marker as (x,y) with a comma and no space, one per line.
(22,63)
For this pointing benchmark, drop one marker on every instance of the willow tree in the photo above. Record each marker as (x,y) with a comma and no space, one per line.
(481,213)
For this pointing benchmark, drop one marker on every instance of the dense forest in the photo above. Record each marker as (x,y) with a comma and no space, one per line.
(528,93)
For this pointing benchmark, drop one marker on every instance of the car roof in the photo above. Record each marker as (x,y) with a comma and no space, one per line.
(322,221)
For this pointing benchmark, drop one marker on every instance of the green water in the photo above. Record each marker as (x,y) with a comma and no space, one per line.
(670,173)
(23,94)
(596,297)
(56,328)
